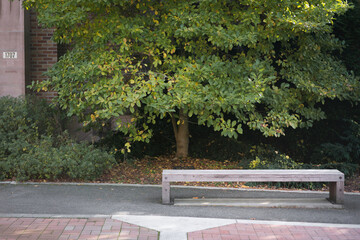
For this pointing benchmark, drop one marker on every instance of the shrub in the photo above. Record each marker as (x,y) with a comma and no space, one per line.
(280,161)
(266,158)
(69,161)
(275,160)
(33,147)
(17,130)
(345,150)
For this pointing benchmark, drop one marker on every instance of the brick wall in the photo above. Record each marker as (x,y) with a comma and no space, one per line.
(43,53)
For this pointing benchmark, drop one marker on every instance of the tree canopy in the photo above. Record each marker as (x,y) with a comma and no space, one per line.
(267,64)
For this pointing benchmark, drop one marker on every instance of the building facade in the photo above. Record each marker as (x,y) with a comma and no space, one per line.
(26,50)
(26,53)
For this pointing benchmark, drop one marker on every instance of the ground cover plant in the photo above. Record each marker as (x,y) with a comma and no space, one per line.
(229,65)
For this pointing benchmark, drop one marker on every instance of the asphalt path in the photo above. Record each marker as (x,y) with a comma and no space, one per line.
(73,199)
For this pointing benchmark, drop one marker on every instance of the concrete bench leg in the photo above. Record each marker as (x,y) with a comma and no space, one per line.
(166,193)
(337,192)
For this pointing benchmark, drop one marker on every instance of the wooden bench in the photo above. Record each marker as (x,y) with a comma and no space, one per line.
(334,177)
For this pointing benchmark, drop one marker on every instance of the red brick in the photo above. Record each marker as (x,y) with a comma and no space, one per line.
(43,51)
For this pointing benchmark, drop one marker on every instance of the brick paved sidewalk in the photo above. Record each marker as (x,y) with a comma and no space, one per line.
(107,228)
(61,228)
(241,231)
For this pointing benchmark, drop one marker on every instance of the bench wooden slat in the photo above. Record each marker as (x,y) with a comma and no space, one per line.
(279,171)
(253,175)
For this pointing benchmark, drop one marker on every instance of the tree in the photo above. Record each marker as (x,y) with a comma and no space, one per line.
(266,64)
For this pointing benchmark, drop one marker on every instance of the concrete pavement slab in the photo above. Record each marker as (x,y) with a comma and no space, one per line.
(174,228)
(318,203)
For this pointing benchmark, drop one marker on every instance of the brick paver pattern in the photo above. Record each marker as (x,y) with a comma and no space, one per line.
(67,229)
(275,232)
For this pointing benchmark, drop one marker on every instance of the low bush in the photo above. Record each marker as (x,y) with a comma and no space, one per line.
(345,150)
(264,156)
(69,161)
(32,147)
(267,158)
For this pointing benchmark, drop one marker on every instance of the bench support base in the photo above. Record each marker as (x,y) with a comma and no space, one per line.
(336,192)
(166,193)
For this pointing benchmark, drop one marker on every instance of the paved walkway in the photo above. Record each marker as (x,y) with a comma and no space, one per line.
(240,231)
(50,212)
(108,228)
(66,229)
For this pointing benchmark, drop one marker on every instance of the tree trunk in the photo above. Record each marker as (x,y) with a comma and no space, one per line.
(181,132)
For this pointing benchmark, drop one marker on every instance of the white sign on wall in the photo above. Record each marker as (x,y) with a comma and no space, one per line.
(9,55)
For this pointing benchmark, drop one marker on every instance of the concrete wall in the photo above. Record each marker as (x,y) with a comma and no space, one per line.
(26,50)
(12,48)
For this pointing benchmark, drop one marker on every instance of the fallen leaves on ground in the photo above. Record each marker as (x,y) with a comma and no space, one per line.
(148,170)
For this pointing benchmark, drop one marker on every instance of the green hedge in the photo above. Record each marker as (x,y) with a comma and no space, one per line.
(32,147)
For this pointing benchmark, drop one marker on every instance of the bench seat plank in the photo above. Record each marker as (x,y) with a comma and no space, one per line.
(306,175)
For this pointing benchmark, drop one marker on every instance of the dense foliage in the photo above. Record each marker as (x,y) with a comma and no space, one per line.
(267,63)
(33,147)
(347,29)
